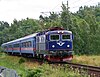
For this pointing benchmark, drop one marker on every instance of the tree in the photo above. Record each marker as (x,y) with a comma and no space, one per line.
(66,21)
(3,25)
(50,21)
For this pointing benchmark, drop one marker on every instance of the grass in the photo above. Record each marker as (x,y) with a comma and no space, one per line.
(56,71)
(14,62)
(29,68)
(93,60)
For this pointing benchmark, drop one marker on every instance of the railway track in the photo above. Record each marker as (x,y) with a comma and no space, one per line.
(92,71)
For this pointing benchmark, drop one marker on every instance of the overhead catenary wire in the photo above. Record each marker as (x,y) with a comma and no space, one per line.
(82,4)
(75,1)
(59,4)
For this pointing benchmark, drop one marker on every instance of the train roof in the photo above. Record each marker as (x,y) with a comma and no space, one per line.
(26,37)
(70,32)
(54,29)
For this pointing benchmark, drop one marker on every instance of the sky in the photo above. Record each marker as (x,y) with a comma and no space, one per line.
(21,9)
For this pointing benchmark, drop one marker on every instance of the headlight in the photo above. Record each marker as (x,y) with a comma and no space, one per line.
(68,45)
(53,46)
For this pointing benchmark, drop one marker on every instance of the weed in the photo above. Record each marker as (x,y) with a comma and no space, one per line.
(21,60)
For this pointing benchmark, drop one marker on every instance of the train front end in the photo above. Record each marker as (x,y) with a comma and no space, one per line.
(59,45)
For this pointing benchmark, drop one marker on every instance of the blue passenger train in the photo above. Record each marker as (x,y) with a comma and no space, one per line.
(54,44)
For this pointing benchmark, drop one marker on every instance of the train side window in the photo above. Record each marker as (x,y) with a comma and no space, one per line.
(40,40)
(30,44)
(27,44)
(43,38)
(65,37)
(10,46)
(16,45)
(23,44)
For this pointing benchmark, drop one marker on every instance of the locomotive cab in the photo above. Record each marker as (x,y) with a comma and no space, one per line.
(59,44)
(59,40)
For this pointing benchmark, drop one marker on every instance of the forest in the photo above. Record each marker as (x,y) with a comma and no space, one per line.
(85,25)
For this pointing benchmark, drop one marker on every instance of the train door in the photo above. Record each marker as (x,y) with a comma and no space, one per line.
(40,42)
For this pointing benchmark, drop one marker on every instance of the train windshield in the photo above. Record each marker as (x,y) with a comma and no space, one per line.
(54,37)
(65,37)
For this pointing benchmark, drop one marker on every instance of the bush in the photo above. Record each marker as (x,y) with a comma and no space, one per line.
(56,71)
(1,49)
(35,73)
(21,60)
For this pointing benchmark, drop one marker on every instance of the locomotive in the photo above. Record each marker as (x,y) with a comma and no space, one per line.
(54,44)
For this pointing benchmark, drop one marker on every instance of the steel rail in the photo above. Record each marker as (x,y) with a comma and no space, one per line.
(92,71)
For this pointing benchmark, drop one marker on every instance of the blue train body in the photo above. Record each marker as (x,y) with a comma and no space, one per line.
(54,44)
(63,41)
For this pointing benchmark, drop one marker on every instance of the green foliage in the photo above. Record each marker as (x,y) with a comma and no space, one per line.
(44,70)
(3,25)
(52,71)
(21,60)
(92,60)
(66,21)
(34,72)
(1,49)
(88,30)
(51,21)
(2,55)
(18,29)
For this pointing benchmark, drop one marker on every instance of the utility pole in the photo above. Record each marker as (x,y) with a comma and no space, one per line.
(67,15)
(67,6)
